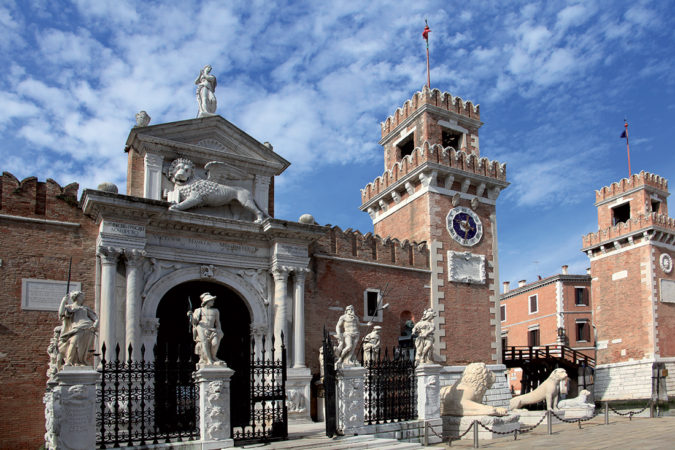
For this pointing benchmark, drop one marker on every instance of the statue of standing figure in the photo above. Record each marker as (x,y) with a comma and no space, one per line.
(206,331)
(206,92)
(371,344)
(78,329)
(424,337)
(347,330)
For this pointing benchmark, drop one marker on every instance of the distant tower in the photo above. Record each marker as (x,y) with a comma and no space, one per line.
(633,286)
(437,189)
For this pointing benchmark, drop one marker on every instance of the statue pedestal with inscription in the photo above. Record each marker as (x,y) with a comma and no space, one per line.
(350,394)
(70,409)
(214,406)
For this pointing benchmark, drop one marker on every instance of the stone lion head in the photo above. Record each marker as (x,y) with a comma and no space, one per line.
(181,170)
(479,377)
(558,375)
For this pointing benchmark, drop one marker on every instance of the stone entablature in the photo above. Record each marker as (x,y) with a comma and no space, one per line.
(351,244)
(650,226)
(625,185)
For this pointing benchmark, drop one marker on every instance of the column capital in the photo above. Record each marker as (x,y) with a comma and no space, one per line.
(108,255)
(134,256)
(280,273)
(300,273)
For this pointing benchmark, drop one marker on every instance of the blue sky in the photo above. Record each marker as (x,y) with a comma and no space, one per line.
(554,81)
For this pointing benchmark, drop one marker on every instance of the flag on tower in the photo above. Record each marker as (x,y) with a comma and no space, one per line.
(425,35)
(624,135)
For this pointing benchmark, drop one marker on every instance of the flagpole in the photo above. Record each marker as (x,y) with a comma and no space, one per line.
(425,35)
(625,125)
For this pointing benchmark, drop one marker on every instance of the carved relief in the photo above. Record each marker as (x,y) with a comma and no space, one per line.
(295,401)
(216,416)
(350,405)
(207,271)
(154,270)
(465,267)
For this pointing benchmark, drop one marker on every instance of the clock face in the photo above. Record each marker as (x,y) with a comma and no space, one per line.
(464,226)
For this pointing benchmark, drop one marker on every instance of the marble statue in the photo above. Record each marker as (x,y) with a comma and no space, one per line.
(549,390)
(347,330)
(576,402)
(192,192)
(55,352)
(465,397)
(424,337)
(206,92)
(78,328)
(142,119)
(206,331)
(371,344)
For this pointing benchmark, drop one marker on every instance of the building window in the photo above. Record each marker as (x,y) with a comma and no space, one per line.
(583,331)
(533,337)
(502,312)
(580,296)
(371,299)
(406,146)
(534,304)
(656,206)
(620,213)
(505,341)
(451,138)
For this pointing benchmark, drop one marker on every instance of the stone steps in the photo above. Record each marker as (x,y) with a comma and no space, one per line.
(354,442)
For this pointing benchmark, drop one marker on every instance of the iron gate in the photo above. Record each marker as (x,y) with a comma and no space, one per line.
(267,416)
(330,411)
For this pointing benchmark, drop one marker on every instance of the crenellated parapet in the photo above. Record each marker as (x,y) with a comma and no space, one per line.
(353,245)
(645,226)
(434,97)
(627,184)
(30,197)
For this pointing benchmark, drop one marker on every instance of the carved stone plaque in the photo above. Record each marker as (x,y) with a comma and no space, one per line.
(44,295)
(123,229)
(466,267)
(667,291)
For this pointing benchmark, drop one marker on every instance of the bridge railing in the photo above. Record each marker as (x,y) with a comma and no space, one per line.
(511,353)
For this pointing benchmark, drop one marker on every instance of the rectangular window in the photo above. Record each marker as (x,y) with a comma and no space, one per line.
(505,341)
(451,138)
(371,306)
(580,296)
(533,337)
(620,213)
(583,331)
(406,146)
(502,312)
(534,304)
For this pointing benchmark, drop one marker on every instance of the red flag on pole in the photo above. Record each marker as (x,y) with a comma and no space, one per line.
(624,135)
(425,35)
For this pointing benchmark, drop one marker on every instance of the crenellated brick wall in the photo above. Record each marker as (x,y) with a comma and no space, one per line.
(625,184)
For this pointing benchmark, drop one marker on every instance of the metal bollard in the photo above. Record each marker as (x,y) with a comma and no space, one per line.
(630,416)
(579,422)
(549,422)
(606,414)
(475,434)
(426,434)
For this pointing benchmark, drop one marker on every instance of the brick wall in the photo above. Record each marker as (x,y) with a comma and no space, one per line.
(42,250)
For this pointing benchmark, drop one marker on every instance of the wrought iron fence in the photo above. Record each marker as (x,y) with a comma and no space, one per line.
(268,414)
(141,402)
(390,386)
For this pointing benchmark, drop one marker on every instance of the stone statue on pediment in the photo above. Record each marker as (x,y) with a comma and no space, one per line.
(347,331)
(424,337)
(190,192)
(206,331)
(206,92)
(78,329)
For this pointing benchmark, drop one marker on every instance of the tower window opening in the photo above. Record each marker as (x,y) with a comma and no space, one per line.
(620,213)
(656,206)
(406,146)
(451,138)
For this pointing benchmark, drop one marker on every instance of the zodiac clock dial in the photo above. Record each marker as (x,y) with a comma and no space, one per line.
(464,226)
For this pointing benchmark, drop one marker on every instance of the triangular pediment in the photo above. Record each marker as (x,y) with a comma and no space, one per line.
(207,139)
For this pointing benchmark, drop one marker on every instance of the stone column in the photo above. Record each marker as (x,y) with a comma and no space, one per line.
(108,312)
(70,410)
(214,405)
(428,391)
(280,307)
(350,396)
(134,260)
(152,184)
(149,328)
(299,318)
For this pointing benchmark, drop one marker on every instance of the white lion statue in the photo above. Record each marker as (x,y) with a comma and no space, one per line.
(576,402)
(549,390)
(465,396)
(191,192)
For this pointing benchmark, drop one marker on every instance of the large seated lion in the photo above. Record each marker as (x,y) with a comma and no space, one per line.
(465,396)
(549,390)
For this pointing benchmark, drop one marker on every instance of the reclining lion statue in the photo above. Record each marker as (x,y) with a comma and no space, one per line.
(465,396)
(192,192)
(549,390)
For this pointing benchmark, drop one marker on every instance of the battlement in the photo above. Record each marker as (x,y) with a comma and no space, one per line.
(631,226)
(434,97)
(448,156)
(32,198)
(352,244)
(625,184)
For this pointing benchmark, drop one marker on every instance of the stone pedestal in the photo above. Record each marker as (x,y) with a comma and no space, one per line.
(585,411)
(455,425)
(214,406)
(298,393)
(428,391)
(529,418)
(350,397)
(70,409)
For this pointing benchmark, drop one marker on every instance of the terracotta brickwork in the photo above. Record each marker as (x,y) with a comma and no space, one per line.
(665,312)
(38,248)
(135,173)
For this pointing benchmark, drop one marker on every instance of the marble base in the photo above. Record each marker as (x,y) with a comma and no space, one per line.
(214,402)
(455,425)
(579,412)
(298,394)
(529,418)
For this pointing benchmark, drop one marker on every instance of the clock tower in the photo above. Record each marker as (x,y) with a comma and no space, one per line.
(436,188)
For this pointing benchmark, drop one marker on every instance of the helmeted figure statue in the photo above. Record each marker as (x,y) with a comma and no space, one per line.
(79,325)
(424,337)
(371,344)
(347,330)
(206,92)
(206,331)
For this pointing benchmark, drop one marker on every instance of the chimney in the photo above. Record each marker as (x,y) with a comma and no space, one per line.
(564,269)
(522,283)
(506,286)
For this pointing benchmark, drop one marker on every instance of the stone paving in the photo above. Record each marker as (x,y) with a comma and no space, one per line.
(640,433)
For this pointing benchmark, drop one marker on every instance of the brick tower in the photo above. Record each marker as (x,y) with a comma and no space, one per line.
(633,286)
(437,189)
